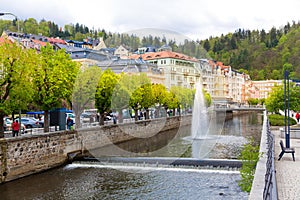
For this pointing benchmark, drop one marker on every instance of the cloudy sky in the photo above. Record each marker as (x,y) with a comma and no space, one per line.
(195,19)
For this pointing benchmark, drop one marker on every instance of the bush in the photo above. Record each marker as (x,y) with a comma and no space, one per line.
(278,120)
(249,157)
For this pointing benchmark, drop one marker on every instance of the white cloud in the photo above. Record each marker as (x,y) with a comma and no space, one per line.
(193,18)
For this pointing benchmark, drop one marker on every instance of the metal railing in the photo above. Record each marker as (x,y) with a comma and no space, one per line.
(270,189)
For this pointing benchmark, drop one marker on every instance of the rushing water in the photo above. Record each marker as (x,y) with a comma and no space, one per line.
(98,181)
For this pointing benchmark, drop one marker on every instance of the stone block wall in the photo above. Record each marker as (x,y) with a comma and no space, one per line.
(29,154)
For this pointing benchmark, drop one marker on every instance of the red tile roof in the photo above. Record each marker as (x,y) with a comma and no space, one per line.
(56,40)
(40,42)
(163,54)
(5,40)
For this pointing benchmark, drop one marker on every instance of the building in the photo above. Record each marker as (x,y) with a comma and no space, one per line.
(179,69)
(265,87)
(122,52)
(134,66)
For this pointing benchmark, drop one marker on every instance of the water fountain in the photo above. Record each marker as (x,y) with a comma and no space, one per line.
(200,115)
(206,125)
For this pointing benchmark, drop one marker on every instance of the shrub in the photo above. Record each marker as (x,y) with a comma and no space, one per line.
(249,156)
(278,120)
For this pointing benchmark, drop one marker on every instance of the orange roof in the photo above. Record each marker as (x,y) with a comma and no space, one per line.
(163,54)
(56,40)
(39,42)
(5,40)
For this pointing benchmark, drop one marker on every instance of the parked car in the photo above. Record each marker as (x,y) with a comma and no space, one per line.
(85,117)
(7,124)
(30,122)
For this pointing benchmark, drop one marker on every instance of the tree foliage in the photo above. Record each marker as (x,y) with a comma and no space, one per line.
(54,77)
(85,86)
(275,101)
(15,79)
(103,97)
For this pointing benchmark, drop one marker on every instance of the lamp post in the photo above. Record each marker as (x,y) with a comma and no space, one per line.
(7,13)
(287,108)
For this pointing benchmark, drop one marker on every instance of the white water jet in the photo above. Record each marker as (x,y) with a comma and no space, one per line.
(205,128)
(200,122)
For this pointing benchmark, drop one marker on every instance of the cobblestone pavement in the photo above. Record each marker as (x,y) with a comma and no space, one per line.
(287,171)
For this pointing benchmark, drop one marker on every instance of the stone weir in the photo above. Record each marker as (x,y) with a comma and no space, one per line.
(216,163)
(30,154)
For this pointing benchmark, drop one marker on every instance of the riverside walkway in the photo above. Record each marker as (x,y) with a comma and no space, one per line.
(287,171)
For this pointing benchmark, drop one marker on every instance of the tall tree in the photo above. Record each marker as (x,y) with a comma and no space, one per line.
(103,96)
(31,26)
(15,79)
(54,78)
(84,90)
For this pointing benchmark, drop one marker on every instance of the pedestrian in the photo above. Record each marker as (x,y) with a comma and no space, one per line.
(297,116)
(15,128)
(70,123)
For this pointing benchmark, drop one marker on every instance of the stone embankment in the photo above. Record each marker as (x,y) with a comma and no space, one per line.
(29,154)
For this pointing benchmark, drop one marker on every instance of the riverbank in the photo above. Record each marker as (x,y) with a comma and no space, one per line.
(30,154)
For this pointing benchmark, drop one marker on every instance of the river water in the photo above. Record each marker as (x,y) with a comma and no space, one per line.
(85,180)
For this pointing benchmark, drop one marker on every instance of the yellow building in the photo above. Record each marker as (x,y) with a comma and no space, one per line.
(265,87)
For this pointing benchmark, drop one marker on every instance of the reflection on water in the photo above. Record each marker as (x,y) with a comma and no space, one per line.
(108,183)
(179,143)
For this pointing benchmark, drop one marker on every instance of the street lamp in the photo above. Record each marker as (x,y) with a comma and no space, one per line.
(7,13)
(287,108)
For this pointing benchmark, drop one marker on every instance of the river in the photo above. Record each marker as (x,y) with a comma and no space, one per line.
(85,180)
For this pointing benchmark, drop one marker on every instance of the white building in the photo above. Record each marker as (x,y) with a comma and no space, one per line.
(179,69)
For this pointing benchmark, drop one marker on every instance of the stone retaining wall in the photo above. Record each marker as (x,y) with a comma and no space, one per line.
(29,154)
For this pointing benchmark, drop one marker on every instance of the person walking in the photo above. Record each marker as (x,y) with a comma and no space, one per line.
(15,128)
(297,117)
(70,123)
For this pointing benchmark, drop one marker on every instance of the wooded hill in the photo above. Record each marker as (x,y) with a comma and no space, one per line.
(259,53)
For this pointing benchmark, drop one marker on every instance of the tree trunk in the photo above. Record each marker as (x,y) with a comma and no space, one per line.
(102,116)
(147,114)
(174,112)
(2,125)
(136,113)
(77,121)
(46,121)
(120,116)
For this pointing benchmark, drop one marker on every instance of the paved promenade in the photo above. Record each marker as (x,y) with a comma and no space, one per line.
(287,171)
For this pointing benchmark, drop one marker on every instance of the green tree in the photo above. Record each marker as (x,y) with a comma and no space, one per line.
(171,102)
(147,98)
(208,99)
(44,28)
(15,79)
(54,78)
(185,96)
(253,101)
(31,26)
(137,92)
(104,92)
(121,95)
(160,94)
(275,101)
(84,91)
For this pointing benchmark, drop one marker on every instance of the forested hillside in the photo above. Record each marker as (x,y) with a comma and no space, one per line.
(261,54)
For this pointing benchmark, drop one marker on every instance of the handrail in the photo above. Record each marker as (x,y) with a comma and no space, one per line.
(270,189)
